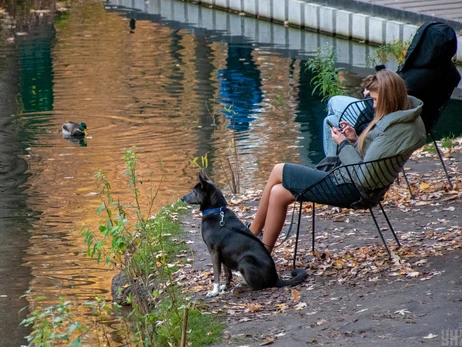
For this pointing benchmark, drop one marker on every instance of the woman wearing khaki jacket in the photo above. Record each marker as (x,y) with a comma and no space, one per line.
(396,129)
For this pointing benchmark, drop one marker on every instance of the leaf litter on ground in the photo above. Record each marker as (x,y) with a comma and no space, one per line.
(336,259)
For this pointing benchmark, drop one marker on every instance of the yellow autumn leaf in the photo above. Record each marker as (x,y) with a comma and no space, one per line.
(424,186)
(254,307)
(338,263)
(295,295)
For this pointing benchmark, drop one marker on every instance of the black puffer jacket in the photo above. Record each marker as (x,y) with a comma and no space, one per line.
(429,71)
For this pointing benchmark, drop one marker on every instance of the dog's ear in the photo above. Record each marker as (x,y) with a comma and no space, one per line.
(203,178)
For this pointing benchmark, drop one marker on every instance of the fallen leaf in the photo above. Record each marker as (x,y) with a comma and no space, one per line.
(268,341)
(424,186)
(413,274)
(254,307)
(295,295)
(402,312)
(430,336)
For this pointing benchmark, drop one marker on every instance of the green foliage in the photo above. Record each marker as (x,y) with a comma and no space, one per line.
(204,328)
(147,253)
(393,51)
(448,142)
(53,325)
(429,147)
(325,79)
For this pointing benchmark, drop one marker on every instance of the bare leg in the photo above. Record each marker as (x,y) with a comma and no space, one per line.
(272,209)
(274,178)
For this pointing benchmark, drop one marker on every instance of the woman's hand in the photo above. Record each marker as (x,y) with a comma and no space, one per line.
(337,135)
(349,132)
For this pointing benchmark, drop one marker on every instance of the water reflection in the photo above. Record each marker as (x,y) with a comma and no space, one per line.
(240,86)
(146,85)
(16,217)
(154,84)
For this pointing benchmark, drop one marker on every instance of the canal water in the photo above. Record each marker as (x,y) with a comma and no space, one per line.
(141,75)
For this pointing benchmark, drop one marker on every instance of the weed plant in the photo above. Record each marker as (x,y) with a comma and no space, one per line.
(325,79)
(147,254)
(148,257)
(394,51)
(53,325)
(446,142)
(230,163)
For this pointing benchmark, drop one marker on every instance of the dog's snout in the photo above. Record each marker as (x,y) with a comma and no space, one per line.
(187,198)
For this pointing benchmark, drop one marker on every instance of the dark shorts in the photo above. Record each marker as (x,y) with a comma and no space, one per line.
(296,178)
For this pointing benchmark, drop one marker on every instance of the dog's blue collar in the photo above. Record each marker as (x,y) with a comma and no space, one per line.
(214,210)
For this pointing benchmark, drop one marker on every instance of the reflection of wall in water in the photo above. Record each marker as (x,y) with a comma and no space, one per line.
(299,43)
(240,87)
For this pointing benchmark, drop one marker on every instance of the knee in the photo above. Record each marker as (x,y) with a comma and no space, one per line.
(276,173)
(278,167)
(281,196)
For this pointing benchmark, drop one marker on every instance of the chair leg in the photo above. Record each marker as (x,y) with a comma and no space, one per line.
(408,185)
(313,227)
(390,226)
(380,232)
(441,159)
(297,235)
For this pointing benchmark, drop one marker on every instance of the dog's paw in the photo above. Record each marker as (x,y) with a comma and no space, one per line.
(211,294)
(217,290)
(215,293)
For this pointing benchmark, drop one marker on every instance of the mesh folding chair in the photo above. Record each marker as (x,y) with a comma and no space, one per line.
(360,113)
(355,186)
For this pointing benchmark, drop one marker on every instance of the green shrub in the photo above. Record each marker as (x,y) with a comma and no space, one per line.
(325,79)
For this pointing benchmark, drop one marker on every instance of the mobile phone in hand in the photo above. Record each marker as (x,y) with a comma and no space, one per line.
(329,123)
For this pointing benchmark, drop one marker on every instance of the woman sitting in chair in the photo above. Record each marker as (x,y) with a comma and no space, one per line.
(396,129)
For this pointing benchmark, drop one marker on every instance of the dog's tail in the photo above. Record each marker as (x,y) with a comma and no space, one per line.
(298,276)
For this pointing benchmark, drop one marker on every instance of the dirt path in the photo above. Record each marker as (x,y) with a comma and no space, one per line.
(354,296)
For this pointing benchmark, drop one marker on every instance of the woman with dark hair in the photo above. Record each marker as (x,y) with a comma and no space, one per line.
(396,129)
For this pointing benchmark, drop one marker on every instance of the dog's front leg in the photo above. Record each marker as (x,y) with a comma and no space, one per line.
(217,289)
(228,276)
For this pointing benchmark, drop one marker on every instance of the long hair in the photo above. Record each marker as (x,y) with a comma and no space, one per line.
(391,97)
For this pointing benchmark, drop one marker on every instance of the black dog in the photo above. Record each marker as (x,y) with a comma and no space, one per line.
(232,244)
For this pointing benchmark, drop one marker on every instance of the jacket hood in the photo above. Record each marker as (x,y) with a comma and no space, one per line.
(434,44)
(402,116)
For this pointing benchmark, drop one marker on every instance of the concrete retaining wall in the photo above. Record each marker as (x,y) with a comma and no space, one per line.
(310,16)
